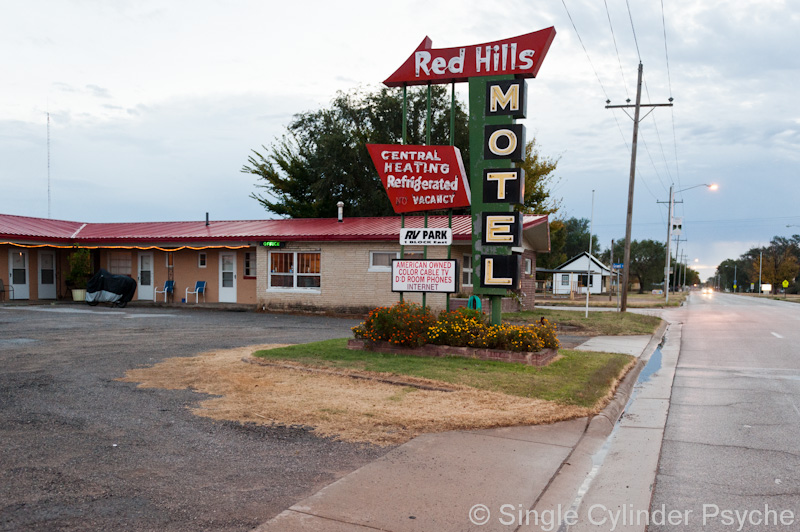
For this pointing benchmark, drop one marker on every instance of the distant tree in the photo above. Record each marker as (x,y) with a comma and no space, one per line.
(778,262)
(578,238)
(692,277)
(646,262)
(739,270)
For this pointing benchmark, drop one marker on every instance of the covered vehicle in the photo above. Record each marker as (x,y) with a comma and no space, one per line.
(106,287)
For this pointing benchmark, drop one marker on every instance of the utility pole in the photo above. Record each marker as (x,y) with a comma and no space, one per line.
(629,219)
(589,268)
(611,279)
(676,276)
(760,262)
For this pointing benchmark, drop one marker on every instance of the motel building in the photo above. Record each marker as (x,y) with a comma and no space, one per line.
(292,264)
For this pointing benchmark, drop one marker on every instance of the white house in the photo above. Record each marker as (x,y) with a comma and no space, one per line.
(572,275)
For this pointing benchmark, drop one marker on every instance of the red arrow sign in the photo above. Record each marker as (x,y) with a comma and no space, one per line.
(521,56)
(421,178)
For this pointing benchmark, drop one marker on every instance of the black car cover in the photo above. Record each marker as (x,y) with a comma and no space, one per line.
(106,287)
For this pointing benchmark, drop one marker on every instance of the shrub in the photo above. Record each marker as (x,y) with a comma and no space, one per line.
(458,328)
(409,325)
(403,324)
(547,332)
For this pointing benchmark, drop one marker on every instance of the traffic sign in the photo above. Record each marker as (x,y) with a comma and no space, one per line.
(785,283)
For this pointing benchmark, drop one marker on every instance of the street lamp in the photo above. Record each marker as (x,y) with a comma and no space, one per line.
(711,186)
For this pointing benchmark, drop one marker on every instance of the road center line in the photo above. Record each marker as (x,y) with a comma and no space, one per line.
(776,335)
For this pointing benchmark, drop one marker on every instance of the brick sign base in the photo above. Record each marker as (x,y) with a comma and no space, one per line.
(538,358)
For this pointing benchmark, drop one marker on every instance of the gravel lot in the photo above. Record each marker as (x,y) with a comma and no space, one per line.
(81,451)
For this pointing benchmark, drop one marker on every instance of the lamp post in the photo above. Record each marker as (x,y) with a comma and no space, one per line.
(672,193)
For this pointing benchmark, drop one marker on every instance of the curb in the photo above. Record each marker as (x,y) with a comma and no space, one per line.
(603,423)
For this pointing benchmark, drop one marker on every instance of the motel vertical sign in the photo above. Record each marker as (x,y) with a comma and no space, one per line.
(495,72)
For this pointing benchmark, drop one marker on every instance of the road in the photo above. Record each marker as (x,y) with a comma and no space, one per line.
(82,451)
(731,450)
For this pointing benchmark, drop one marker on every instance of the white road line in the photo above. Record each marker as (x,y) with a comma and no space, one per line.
(776,335)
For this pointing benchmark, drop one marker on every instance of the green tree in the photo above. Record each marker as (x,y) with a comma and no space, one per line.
(539,180)
(568,238)
(556,256)
(323,159)
(577,240)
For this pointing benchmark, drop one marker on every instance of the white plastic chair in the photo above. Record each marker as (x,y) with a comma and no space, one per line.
(169,288)
(199,288)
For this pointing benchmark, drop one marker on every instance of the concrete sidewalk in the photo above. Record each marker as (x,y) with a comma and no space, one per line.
(471,480)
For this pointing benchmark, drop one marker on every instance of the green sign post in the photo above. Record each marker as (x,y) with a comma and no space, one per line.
(495,72)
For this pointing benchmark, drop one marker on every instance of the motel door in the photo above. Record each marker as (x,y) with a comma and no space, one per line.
(146,276)
(18,268)
(47,274)
(227,277)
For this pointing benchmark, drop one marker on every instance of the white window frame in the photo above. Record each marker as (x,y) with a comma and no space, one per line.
(120,258)
(565,279)
(381,268)
(466,270)
(295,274)
(202,259)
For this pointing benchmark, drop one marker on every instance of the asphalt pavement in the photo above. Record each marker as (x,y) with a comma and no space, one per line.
(731,452)
(82,451)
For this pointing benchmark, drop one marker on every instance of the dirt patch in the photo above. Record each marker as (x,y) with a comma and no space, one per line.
(354,410)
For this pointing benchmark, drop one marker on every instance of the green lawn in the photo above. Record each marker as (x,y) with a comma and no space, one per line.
(597,324)
(578,378)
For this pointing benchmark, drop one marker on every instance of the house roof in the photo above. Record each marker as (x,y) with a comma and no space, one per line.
(564,267)
(21,228)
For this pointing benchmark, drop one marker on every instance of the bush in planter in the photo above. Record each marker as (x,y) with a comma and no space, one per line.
(80,269)
(403,324)
(458,328)
(547,332)
(410,325)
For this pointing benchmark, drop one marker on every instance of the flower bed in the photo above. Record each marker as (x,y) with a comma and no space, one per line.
(462,332)
(538,358)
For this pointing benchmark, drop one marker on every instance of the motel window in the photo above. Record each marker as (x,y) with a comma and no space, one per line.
(202,260)
(381,261)
(250,264)
(565,279)
(119,263)
(466,271)
(294,270)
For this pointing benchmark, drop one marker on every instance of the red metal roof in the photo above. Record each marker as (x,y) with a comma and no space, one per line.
(36,228)
(300,229)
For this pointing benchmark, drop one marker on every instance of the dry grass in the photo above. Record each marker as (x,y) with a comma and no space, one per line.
(338,406)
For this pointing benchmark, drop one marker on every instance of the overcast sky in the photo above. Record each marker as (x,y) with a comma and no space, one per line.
(155,106)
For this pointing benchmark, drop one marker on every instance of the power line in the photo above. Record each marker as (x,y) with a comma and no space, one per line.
(614,37)
(584,49)
(635,40)
(666,51)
